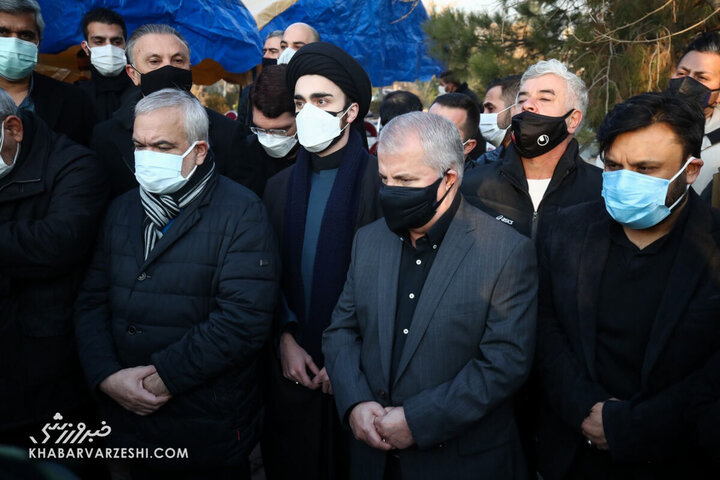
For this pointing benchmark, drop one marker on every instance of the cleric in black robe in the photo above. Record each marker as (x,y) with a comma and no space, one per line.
(316,206)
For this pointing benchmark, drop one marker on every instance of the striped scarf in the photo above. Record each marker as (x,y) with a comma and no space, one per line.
(160,210)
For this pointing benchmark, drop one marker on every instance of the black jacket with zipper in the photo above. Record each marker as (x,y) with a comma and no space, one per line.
(501,189)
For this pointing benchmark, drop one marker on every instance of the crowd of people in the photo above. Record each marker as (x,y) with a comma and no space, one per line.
(466,299)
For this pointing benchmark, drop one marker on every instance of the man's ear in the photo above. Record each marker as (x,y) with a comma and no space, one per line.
(86,48)
(14,128)
(133,74)
(693,170)
(469,146)
(573,121)
(201,151)
(352,113)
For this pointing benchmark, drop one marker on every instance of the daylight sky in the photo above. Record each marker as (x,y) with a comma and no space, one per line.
(469,5)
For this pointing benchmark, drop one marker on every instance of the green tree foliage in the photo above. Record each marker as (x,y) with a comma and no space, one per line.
(618,47)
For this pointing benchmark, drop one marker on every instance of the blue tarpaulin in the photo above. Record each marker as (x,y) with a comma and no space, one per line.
(225,30)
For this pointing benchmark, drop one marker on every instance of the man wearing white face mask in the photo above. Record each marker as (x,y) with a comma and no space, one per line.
(179,299)
(105,35)
(315,206)
(495,120)
(52,197)
(628,305)
(273,145)
(65,108)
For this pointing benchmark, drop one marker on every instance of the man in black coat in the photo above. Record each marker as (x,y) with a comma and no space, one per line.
(105,35)
(273,145)
(158,57)
(541,170)
(316,206)
(52,196)
(629,305)
(178,301)
(64,108)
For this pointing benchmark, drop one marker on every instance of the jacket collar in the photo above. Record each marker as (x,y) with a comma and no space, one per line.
(512,166)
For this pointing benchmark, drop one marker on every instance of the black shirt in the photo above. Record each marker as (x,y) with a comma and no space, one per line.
(632,287)
(415,263)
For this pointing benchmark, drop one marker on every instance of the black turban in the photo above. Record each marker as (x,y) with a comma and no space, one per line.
(335,64)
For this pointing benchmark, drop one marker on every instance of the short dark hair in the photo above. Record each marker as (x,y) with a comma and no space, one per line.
(704,42)
(269,93)
(459,100)
(685,119)
(103,15)
(398,102)
(449,77)
(509,86)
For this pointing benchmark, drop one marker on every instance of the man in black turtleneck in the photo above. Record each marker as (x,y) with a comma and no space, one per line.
(316,206)
(105,35)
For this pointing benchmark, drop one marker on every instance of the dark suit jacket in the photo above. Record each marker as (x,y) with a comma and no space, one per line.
(469,349)
(112,141)
(650,427)
(64,107)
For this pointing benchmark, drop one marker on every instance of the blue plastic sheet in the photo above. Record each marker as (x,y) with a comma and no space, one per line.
(388,51)
(222,30)
(225,31)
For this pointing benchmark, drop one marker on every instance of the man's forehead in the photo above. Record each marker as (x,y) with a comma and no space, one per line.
(708,62)
(308,85)
(100,28)
(18,21)
(159,44)
(548,82)
(455,115)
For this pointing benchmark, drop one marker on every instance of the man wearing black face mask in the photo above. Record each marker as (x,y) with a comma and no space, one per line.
(434,331)
(159,57)
(697,77)
(541,170)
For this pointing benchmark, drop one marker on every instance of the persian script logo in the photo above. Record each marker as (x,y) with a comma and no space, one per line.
(71,434)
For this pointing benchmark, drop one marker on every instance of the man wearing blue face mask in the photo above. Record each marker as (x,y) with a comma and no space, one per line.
(178,301)
(629,307)
(65,108)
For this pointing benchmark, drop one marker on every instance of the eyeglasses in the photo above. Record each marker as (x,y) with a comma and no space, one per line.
(273,131)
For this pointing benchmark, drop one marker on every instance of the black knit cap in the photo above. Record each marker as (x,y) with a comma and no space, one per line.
(335,64)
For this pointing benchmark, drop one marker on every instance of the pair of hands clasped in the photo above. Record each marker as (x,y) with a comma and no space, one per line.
(295,363)
(138,389)
(381,428)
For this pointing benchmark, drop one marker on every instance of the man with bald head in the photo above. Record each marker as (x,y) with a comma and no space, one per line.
(158,57)
(294,38)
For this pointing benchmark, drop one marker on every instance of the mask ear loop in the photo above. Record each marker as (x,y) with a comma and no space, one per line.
(687,187)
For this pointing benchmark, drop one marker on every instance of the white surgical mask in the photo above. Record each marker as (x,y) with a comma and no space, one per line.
(109,60)
(4,167)
(442,90)
(317,128)
(285,56)
(276,146)
(161,173)
(490,129)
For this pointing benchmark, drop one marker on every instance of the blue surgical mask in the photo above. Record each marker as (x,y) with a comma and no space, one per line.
(161,173)
(17,58)
(637,201)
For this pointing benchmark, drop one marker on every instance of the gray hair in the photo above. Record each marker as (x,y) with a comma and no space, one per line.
(196,118)
(7,105)
(148,28)
(577,94)
(275,34)
(439,138)
(15,7)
